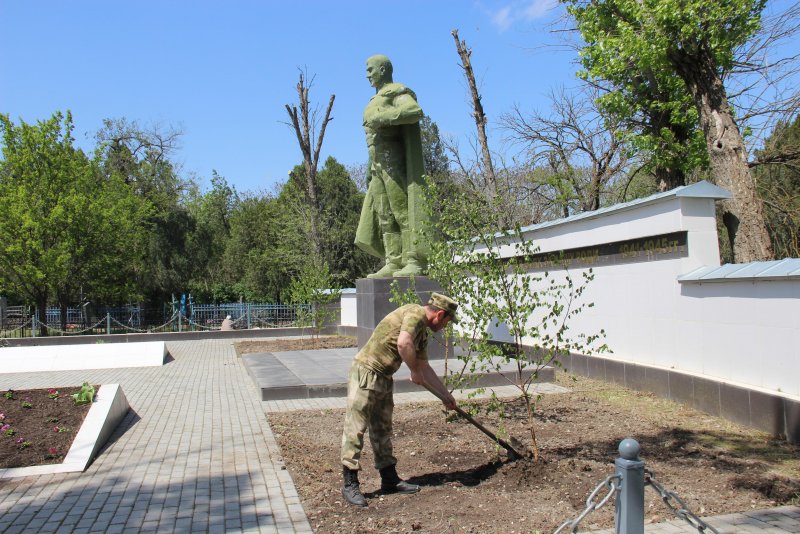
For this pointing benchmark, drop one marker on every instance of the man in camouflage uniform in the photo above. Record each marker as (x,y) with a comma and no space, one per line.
(402,336)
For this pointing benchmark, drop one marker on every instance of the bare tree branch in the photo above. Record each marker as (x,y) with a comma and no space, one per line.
(304,130)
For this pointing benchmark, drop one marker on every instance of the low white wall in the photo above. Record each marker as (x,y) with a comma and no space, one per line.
(743,332)
(747,332)
(77,357)
(349,310)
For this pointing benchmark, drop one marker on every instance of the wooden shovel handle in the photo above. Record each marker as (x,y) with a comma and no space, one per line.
(475,423)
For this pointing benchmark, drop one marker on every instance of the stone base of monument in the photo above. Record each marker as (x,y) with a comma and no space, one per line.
(372,301)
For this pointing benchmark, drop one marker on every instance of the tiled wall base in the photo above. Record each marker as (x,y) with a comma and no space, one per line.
(772,413)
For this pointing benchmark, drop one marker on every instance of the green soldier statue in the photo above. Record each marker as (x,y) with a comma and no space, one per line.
(402,336)
(393,215)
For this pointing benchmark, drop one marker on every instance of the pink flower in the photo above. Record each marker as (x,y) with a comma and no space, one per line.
(2,417)
(5,427)
(52,450)
(20,440)
(52,390)
(55,429)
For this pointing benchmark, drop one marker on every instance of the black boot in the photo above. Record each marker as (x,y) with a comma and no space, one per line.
(391,483)
(351,491)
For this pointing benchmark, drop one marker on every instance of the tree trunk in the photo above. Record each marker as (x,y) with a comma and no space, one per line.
(41,309)
(478,114)
(63,314)
(744,213)
(669,178)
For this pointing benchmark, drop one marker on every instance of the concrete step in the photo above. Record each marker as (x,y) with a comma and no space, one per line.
(323,373)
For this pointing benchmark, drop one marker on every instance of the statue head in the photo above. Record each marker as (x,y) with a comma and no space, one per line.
(379,71)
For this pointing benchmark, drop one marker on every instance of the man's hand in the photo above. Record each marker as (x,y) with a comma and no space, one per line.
(449,402)
(417,378)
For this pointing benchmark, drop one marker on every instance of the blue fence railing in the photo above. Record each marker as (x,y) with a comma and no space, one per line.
(19,321)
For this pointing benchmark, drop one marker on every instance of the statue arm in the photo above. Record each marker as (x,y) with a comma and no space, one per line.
(403,110)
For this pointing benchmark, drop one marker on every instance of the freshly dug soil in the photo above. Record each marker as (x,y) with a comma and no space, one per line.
(278,345)
(42,432)
(469,486)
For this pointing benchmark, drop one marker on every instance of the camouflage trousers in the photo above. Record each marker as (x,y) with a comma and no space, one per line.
(369,406)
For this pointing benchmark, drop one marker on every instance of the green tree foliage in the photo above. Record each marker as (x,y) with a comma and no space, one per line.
(340,205)
(314,286)
(433,150)
(253,268)
(140,157)
(125,226)
(65,226)
(779,186)
(639,89)
(211,212)
(693,42)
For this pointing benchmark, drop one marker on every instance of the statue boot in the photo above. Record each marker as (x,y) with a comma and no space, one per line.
(351,490)
(392,483)
(413,265)
(393,246)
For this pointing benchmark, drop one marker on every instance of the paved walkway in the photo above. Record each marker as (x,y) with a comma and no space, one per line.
(196,455)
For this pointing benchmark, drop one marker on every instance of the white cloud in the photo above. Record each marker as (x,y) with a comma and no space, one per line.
(538,8)
(521,10)
(502,19)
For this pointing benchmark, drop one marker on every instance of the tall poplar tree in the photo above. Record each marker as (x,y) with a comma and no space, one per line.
(693,41)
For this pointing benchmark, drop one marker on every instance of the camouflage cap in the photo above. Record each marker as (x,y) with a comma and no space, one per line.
(445,303)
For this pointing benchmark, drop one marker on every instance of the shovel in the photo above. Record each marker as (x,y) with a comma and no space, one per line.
(512,454)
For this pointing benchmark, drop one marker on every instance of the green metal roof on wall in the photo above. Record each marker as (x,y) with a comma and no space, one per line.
(788,268)
(701,189)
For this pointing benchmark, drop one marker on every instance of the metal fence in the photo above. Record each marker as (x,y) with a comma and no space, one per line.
(23,321)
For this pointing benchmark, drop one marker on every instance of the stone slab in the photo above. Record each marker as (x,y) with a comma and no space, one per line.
(80,357)
(323,373)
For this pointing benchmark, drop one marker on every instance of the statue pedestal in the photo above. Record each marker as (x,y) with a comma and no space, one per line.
(372,298)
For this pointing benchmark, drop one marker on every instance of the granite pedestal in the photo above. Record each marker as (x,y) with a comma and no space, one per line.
(372,300)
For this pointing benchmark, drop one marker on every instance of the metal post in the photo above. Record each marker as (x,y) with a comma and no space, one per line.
(248,316)
(108,323)
(33,324)
(629,514)
(180,314)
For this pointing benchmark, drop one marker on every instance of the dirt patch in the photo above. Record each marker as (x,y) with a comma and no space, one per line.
(41,425)
(281,345)
(469,486)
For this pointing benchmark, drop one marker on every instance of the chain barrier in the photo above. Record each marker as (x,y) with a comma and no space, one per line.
(611,482)
(75,332)
(683,511)
(170,321)
(240,322)
(192,323)
(20,327)
(149,330)
(128,327)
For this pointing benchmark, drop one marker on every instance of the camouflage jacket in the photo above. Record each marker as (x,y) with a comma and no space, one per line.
(380,353)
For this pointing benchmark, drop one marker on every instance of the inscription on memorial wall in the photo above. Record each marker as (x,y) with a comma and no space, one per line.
(653,248)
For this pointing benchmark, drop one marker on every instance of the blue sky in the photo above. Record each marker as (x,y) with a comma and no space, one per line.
(223,71)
